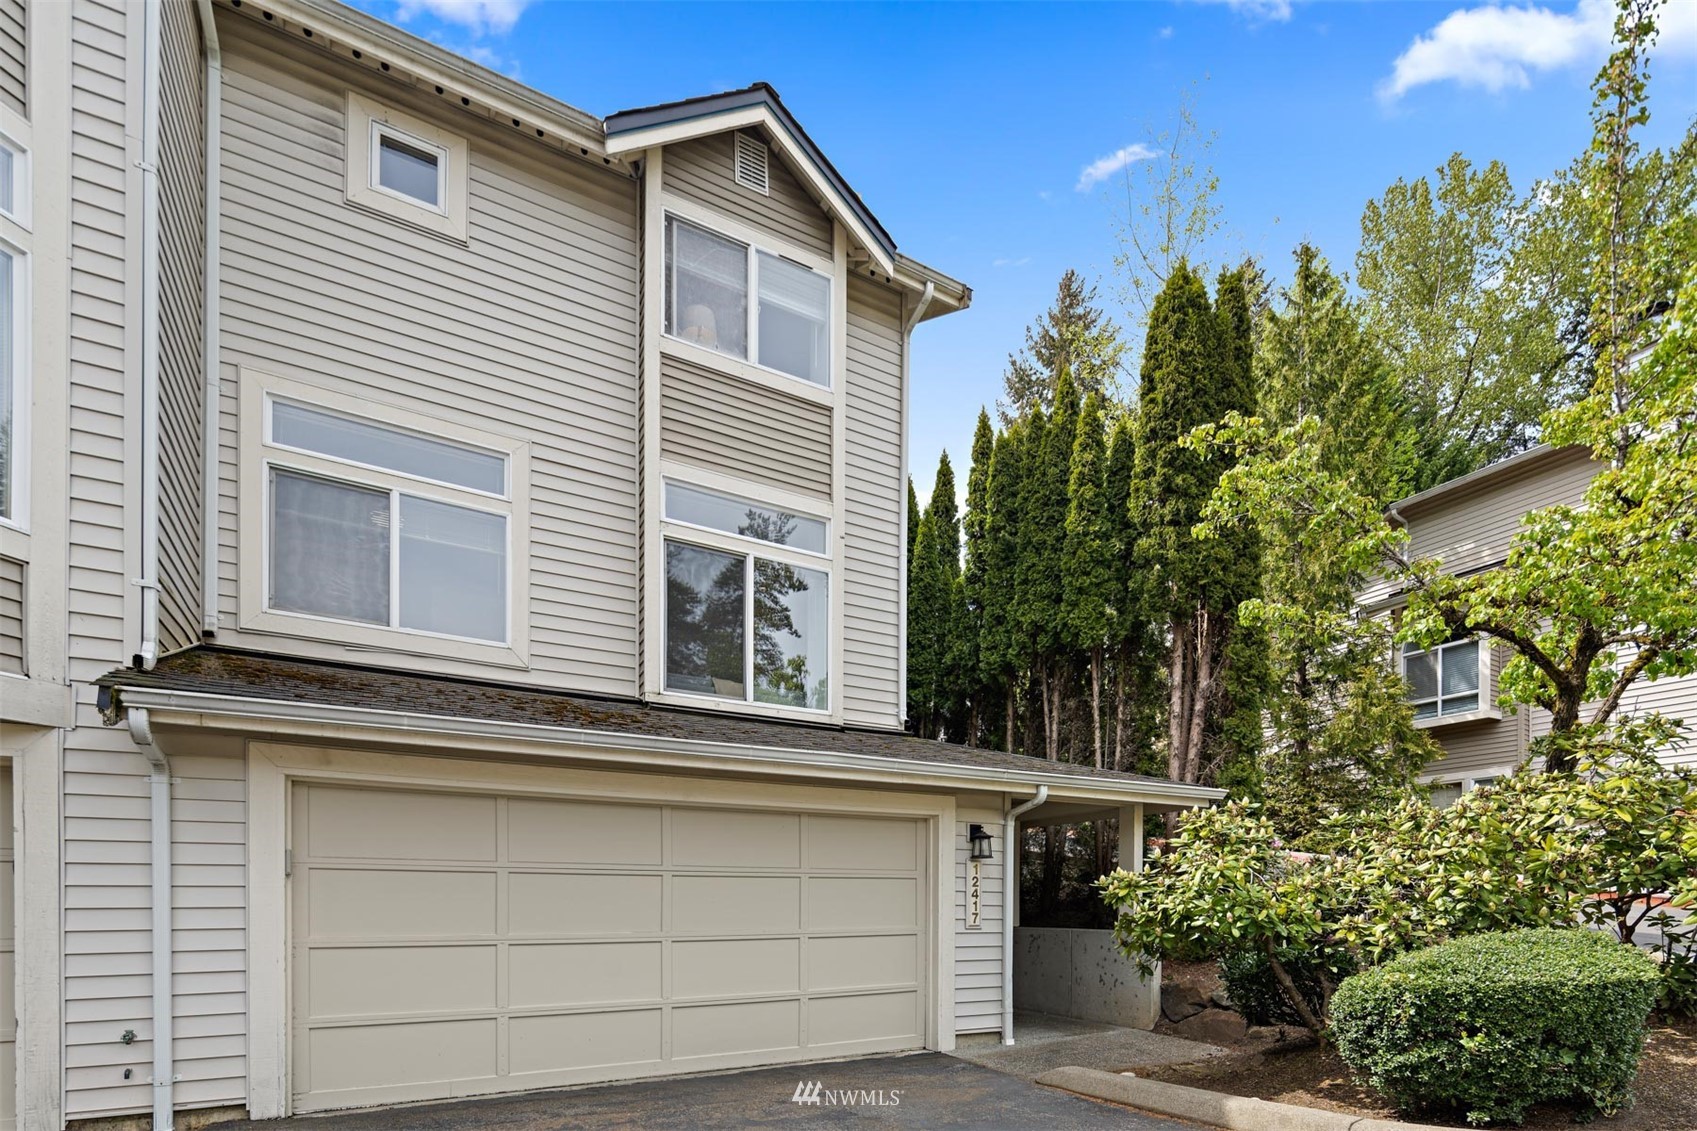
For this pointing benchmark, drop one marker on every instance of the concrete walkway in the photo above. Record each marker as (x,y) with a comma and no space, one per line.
(1043,1043)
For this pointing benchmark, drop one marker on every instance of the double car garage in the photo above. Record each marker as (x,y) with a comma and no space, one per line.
(457,943)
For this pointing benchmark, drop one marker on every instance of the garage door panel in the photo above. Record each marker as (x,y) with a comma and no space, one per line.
(583,973)
(722,905)
(574,904)
(735,967)
(715,839)
(582,832)
(718,1030)
(585,1040)
(866,1017)
(843,903)
(862,960)
(354,1057)
(376,824)
(866,844)
(371,903)
(354,981)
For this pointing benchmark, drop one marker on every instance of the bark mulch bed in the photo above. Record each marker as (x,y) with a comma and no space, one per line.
(1295,1071)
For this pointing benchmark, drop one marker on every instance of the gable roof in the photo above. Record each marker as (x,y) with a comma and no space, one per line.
(1521,463)
(759,104)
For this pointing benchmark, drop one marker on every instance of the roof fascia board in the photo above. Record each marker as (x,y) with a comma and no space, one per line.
(620,142)
(507,99)
(323,721)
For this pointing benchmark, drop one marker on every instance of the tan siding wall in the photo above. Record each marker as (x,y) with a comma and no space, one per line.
(182,237)
(12,616)
(724,423)
(1675,697)
(978,954)
(14,64)
(700,170)
(874,539)
(1473,528)
(529,331)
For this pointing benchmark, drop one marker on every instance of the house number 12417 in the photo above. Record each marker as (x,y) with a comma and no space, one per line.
(974,897)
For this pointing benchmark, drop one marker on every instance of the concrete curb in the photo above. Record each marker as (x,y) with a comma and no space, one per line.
(1235,1113)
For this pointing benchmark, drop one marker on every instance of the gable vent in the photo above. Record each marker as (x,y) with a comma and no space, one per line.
(749,161)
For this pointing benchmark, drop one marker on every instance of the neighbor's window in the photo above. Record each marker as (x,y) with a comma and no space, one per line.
(14,385)
(400,546)
(709,278)
(407,166)
(745,622)
(1445,794)
(1443,680)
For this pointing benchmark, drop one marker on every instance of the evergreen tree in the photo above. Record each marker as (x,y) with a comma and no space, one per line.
(1001,652)
(913,514)
(930,618)
(974,577)
(1135,645)
(1073,336)
(1087,562)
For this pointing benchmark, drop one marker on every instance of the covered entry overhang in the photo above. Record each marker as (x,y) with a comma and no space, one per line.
(763,837)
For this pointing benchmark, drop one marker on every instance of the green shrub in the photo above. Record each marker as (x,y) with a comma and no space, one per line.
(1493,1023)
(1257,994)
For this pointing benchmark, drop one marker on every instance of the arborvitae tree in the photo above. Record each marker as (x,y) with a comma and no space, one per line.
(975,575)
(1087,562)
(930,617)
(1037,575)
(1073,336)
(1134,642)
(913,514)
(1001,651)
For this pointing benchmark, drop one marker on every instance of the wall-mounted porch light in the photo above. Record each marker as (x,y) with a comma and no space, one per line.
(980,842)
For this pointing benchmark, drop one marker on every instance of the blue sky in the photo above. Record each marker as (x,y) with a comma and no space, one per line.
(967,127)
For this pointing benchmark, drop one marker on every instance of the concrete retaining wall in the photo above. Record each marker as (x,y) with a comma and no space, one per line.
(1077,973)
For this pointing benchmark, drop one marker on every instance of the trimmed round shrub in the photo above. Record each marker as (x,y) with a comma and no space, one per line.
(1255,991)
(1492,1024)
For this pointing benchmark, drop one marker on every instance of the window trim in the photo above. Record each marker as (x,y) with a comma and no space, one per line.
(718,541)
(21,177)
(22,386)
(271,442)
(753,244)
(1485,708)
(259,459)
(366,121)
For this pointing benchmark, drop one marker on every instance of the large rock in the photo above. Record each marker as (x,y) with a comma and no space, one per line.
(1179,1001)
(1212,1026)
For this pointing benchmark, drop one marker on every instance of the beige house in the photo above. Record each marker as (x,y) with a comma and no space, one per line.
(451,586)
(1468,523)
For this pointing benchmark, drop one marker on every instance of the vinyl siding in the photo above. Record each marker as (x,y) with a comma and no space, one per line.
(528,331)
(14,64)
(12,616)
(978,954)
(1472,529)
(700,171)
(874,540)
(182,242)
(724,423)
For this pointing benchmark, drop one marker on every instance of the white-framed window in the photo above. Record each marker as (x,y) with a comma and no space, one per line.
(14,332)
(14,181)
(382,526)
(1445,793)
(1445,680)
(748,600)
(406,168)
(748,302)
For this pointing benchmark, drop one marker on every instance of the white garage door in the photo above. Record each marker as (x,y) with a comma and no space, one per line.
(453,944)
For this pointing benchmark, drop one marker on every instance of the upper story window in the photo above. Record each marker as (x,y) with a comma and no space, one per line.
(747,600)
(1444,680)
(14,332)
(379,525)
(710,279)
(406,168)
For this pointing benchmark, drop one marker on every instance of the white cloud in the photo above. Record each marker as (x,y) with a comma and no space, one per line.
(1497,47)
(1102,168)
(1275,11)
(1008,261)
(480,17)
(1165,33)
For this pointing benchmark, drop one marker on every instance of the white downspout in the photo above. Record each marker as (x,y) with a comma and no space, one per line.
(159,793)
(1010,902)
(209,337)
(925,298)
(148,651)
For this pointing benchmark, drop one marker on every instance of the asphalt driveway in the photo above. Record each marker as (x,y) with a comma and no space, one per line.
(933,1090)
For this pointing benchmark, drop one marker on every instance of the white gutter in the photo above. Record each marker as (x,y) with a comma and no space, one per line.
(209,338)
(159,793)
(148,650)
(1010,902)
(276,715)
(925,298)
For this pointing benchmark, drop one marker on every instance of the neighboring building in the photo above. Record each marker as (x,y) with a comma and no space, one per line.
(451,585)
(1467,523)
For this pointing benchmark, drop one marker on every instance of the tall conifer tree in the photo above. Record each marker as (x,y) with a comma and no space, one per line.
(1087,563)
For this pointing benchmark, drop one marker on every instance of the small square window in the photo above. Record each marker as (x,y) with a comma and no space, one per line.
(409,168)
